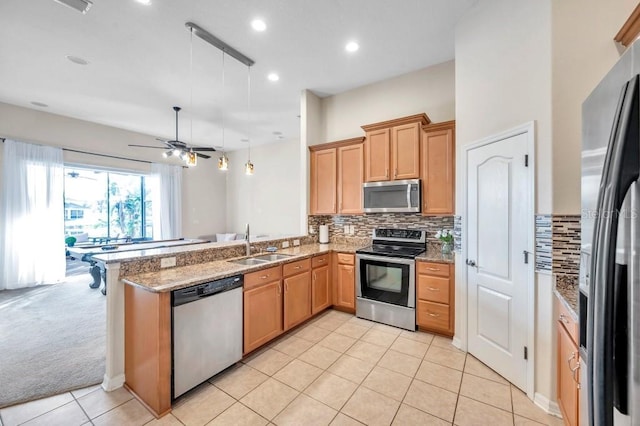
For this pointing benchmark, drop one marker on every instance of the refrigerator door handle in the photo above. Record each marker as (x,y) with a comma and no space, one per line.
(634,304)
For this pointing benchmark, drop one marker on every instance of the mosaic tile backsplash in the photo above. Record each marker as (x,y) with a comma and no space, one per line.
(566,244)
(544,243)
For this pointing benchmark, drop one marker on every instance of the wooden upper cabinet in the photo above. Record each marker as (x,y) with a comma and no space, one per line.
(323,181)
(392,149)
(377,155)
(438,169)
(405,151)
(350,178)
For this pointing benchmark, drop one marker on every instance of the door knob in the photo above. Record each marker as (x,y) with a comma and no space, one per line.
(471,262)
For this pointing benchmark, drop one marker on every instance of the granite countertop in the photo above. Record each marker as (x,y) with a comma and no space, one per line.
(434,254)
(175,278)
(567,291)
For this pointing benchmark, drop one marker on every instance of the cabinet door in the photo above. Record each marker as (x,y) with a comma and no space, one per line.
(297,299)
(405,151)
(323,181)
(320,289)
(262,314)
(376,156)
(567,385)
(438,172)
(345,287)
(350,178)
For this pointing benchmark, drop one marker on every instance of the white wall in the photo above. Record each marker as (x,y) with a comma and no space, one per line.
(430,90)
(200,217)
(503,79)
(311,123)
(583,52)
(270,199)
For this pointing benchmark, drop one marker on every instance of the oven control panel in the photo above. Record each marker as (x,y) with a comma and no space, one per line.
(399,234)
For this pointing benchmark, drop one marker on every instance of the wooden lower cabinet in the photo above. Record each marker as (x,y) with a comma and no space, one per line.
(320,289)
(568,370)
(435,289)
(297,299)
(262,314)
(344,295)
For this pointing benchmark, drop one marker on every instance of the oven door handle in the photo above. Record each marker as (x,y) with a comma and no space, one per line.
(385,259)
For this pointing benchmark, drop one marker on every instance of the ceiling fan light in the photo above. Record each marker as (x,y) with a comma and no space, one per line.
(223,163)
(167,154)
(248,168)
(191,159)
(177,153)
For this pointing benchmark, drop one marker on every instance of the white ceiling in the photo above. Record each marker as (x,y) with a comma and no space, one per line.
(139,59)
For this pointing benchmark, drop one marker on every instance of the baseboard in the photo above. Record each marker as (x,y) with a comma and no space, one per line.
(547,405)
(112,383)
(457,343)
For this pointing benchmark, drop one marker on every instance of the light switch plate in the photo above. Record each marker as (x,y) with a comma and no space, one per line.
(167,262)
(312,229)
(285,244)
(296,243)
(352,229)
(346,230)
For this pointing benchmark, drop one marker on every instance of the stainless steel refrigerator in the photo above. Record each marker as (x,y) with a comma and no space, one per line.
(610,244)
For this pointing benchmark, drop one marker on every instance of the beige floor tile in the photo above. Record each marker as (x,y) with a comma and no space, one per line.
(269,361)
(418,336)
(312,333)
(239,380)
(409,416)
(201,405)
(344,420)
(238,415)
(350,368)
(366,351)
(379,338)
(351,330)
(21,413)
(439,375)
(361,322)
(269,398)
(168,420)
(342,316)
(486,391)
(100,402)
(293,346)
(79,393)
(524,407)
(523,421)
(370,407)
(473,413)
(387,329)
(329,323)
(477,368)
(432,400)
(332,390)
(388,383)
(445,357)
(67,415)
(337,342)
(445,343)
(298,374)
(400,363)
(410,347)
(305,411)
(131,413)
(320,356)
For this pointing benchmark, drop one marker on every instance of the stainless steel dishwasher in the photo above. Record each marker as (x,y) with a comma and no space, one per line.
(206,331)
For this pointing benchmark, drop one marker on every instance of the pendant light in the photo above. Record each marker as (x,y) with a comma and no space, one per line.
(223,161)
(248,167)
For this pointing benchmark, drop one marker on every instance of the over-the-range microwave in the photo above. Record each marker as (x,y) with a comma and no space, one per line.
(396,196)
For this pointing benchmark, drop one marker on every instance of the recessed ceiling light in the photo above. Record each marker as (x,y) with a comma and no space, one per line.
(145,2)
(244,140)
(39,104)
(77,60)
(273,77)
(258,25)
(352,46)
(277,133)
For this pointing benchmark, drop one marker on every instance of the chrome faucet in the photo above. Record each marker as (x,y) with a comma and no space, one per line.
(247,241)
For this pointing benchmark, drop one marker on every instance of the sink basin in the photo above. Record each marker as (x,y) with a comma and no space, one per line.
(248,262)
(271,257)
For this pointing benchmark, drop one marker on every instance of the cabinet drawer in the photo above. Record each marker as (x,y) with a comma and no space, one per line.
(321,260)
(430,268)
(346,259)
(296,267)
(433,289)
(567,319)
(433,315)
(264,276)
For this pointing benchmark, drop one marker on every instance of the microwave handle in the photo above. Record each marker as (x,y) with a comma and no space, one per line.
(409,195)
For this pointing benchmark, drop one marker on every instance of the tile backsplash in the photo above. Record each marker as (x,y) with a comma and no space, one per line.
(364,224)
(566,244)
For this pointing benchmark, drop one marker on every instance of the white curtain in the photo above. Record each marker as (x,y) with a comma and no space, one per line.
(167,201)
(32,247)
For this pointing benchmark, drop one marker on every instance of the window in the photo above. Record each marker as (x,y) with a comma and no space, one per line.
(107,204)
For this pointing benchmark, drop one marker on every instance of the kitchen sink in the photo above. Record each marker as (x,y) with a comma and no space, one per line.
(271,257)
(249,261)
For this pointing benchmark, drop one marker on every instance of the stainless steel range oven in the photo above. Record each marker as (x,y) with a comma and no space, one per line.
(386,278)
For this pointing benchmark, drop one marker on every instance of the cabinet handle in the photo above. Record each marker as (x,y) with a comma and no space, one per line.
(433,288)
(433,269)
(297,267)
(433,315)
(571,358)
(386,172)
(563,319)
(314,276)
(286,287)
(396,174)
(321,260)
(279,289)
(575,375)
(264,277)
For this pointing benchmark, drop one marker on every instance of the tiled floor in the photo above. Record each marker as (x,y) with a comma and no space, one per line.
(337,370)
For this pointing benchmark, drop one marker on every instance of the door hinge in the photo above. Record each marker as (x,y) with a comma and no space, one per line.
(526,160)
(526,353)
(526,256)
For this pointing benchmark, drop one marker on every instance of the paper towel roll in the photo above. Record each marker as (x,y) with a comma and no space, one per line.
(324,234)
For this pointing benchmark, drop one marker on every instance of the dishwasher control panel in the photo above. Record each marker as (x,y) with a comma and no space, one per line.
(190,294)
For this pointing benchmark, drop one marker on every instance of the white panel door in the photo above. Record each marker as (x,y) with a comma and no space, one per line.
(498,215)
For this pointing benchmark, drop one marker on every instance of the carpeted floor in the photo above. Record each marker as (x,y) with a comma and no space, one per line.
(52,338)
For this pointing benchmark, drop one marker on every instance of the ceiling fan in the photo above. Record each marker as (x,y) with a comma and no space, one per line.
(176,147)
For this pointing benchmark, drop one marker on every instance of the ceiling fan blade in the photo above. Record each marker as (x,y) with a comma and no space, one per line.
(207,148)
(148,146)
(202,155)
